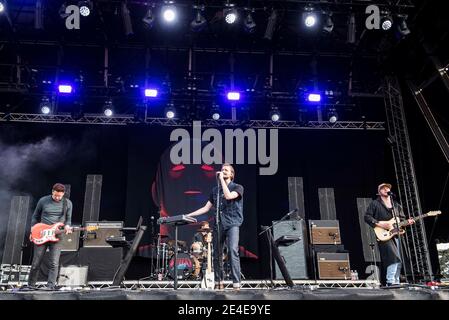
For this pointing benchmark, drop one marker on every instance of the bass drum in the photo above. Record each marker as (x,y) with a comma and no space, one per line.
(188,266)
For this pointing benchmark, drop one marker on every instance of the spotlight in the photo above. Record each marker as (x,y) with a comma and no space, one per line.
(386,21)
(249,24)
(108,108)
(2,6)
(85,8)
(309,17)
(169,12)
(148,19)
(200,22)
(151,93)
(271,25)
(233,96)
(45,106)
(230,14)
(314,97)
(328,23)
(332,115)
(351,29)
(215,112)
(402,26)
(65,88)
(127,24)
(170,111)
(275,115)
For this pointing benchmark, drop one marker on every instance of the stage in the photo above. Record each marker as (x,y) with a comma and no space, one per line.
(251,290)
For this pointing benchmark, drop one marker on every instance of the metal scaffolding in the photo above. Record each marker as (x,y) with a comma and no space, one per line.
(419,266)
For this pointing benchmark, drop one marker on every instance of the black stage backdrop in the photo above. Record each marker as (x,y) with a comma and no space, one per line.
(128,157)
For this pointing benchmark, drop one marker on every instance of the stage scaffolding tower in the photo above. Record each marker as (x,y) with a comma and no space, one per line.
(417,263)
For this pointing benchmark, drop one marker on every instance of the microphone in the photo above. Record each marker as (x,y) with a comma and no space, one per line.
(390,193)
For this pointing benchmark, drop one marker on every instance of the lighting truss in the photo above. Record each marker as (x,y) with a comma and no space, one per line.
(128,119)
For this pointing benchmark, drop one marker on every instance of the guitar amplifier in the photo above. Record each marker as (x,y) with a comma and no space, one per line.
(324,232)
(333,265)
(70,242)
(73,276)
(106,229)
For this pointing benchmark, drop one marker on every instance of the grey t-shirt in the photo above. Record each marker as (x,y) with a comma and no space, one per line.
(49,211)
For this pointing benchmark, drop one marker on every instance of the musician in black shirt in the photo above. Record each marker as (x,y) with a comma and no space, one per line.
(231,218)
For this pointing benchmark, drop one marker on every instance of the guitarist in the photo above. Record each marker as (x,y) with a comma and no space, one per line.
(50,209)
(231,218)
(380,210)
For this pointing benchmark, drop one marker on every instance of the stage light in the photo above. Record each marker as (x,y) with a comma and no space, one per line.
(351,29)
(332,115)
(169,12)
(45,106)
(328,25)
(151,93)
(386,21)
(233,96)
(127,24)
(275,115)
(108,108)
(170,111)
(65,88)
(38,16)
(200,22)
(148,19)
(2,7)
(402,26)
(314,97)
(85,8)
(271,25)
(215,112)
(249,24)
(230,14)
(309,17)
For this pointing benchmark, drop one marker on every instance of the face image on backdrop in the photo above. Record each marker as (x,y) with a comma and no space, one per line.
(180,189)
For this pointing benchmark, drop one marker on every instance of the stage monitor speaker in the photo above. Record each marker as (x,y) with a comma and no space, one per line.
(324,232)
(294,255)
(106,229)
(73,276)
(333,266)
(15,234)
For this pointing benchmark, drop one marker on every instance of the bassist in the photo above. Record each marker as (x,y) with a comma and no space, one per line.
(378,211)
(50,209)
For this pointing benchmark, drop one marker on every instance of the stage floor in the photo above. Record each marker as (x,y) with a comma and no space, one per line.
(251,290)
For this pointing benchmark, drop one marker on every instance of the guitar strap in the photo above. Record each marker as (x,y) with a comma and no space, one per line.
(64,208)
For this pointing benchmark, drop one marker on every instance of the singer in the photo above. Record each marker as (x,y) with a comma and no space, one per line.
(378,212)
(231,218)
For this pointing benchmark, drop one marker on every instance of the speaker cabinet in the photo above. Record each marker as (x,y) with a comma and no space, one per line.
(325,232)
(73,276)
(70,242)
(293,255)
(106,229)
(333,266)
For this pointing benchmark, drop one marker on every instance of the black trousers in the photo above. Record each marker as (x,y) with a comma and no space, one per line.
(38,255)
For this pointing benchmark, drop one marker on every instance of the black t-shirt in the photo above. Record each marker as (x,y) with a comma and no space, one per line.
(231,211)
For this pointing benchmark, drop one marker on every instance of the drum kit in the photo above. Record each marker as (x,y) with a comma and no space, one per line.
(189,261)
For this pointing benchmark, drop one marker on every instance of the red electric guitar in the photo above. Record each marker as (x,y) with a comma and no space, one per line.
(42,233)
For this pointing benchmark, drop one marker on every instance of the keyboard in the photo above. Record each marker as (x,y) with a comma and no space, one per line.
(176,220)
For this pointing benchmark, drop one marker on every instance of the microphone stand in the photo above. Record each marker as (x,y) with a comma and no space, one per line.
(218,233)
(152,249)
(399,243)
(268,231)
